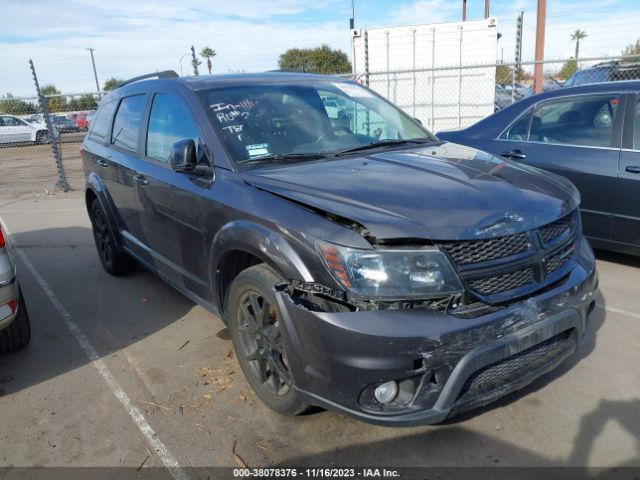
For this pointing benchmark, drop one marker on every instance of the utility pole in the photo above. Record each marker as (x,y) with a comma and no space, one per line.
(95,74)
(352,25)
(486,8)
(464,10)
(540,27)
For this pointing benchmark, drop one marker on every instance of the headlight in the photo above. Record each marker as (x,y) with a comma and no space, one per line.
(391,273)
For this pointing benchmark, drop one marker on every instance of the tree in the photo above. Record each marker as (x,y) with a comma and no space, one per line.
(632,49)
(54,103)
(208,53)
(13,106)
(316,60)
(568,69)
(504,75)
(111,83)
(577,36)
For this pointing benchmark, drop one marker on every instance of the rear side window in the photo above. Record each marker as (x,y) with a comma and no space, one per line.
(584,120)
(519,131)
(170,121)
(102,122)
(126,125)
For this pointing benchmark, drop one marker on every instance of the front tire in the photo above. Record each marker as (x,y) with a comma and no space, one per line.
(115,261)
(42,138)
(255,327)
(18,333)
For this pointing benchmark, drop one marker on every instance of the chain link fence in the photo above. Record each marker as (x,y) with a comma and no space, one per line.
(455,97)
(40,136)
(29,144)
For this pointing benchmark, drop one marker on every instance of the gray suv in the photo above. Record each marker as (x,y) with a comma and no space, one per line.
(360,263)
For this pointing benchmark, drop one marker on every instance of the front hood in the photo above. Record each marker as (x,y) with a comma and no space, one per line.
(442,192)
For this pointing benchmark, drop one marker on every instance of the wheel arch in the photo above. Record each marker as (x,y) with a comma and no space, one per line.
(240,245)
(96,190)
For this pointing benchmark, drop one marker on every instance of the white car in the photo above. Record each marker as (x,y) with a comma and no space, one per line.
(16,130)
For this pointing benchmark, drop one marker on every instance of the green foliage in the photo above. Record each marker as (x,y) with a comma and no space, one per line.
(13,106)
(111,83)
(632,49)
(316,60)
(55,104)
(208,53)
(504,74)
(568,69)
(85,102)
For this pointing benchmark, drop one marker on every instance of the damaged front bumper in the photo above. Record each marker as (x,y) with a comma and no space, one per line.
(442,364)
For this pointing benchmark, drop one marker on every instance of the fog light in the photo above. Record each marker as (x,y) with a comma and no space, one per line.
(387,392)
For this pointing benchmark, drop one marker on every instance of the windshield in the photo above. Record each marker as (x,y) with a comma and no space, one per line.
(277,120)
(589,75)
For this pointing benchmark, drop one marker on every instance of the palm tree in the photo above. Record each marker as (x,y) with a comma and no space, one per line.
(208,53)
(577,36)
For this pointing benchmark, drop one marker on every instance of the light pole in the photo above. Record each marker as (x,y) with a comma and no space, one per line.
(95,74)
(181,58)
(352,24)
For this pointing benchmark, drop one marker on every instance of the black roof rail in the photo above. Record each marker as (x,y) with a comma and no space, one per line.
(163,74)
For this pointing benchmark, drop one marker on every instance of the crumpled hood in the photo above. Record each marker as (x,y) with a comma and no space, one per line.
(441,192)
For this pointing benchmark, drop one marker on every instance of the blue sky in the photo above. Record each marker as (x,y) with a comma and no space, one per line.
(132,37)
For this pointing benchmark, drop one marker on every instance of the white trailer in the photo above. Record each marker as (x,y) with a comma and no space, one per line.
(430,70)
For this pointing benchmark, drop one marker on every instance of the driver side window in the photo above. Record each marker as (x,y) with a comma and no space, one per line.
(170,121)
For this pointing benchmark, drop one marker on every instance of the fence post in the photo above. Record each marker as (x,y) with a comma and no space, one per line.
(53,138)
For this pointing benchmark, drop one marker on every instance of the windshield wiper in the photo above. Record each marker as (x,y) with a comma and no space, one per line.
(385,143)
(283,158)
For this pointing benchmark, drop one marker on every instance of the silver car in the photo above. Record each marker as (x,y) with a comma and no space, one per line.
(15,329)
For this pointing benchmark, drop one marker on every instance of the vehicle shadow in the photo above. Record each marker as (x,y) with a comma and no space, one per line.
(615,257)
(112,312)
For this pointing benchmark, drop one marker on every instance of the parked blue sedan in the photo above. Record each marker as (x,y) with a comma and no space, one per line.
(589,134)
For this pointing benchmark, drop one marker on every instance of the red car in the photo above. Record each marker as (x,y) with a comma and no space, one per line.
(80,119)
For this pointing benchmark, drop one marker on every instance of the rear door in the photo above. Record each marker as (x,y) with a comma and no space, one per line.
(626,223)
(171,216)
(116,159)
(579,138)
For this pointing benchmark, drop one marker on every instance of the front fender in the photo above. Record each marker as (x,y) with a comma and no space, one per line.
(269,245)
(96,186)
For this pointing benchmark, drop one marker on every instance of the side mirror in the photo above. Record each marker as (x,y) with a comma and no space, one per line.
(183,156)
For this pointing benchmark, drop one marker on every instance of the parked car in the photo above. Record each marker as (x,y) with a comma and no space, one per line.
(16,130)
(64,124)
(370,268)
(15,329)
(605,72)
(590,135)
(80,119)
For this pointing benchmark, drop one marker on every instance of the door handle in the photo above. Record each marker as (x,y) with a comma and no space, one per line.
(141,180)
(514,154)
(632,169)
(102,162)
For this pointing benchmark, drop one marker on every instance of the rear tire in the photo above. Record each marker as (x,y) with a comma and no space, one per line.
(115,261)
(18,333)
(255,328)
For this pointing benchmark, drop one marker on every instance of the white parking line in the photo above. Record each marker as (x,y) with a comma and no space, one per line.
(620,311)
(163,452)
